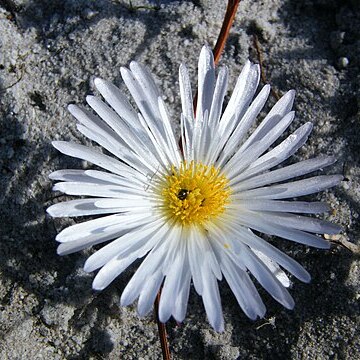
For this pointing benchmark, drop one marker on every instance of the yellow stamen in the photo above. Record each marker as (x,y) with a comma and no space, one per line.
(194,193)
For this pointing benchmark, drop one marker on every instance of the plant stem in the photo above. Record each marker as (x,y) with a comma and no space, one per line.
(225,29)
(223,35)
(162,329)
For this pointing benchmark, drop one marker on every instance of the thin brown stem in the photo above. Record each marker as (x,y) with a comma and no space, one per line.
(225,29)
(162,330)
(223,35)
(261,64)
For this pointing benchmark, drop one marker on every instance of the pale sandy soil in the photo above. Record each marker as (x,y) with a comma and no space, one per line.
(49,53)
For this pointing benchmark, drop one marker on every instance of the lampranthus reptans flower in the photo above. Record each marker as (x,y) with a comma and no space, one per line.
(191,213)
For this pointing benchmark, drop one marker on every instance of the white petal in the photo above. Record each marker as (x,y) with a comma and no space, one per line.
(102,226)
(120,151)
(172,284)
(243,93)
(182,297)
(288,147)
(112,269)
(218,99)
(241,285)
(292,189)
(285,206)
(278,111)
(135,140)
(126,244)
(130,182)
(149,292)
(253,221)
(206,82)
(86,242)
(85,153)
(267,280)
(243,159)
(212,301)
(245,123)
(285,173)
(118,102)
(186,93)
(80,207)
(148,267)
(301,222)
(273,267)
(101,190)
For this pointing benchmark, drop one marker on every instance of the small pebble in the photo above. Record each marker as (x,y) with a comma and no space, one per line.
(343,62)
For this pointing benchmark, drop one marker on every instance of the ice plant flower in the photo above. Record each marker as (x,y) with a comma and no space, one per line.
(190,213)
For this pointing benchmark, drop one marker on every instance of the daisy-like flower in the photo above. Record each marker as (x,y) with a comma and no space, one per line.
(190,213)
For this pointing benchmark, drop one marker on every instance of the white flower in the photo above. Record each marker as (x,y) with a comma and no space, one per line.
(190,212)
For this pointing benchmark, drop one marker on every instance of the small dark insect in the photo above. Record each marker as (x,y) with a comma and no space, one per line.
(182,194)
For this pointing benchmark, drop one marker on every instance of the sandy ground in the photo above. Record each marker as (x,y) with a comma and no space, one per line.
(50,52)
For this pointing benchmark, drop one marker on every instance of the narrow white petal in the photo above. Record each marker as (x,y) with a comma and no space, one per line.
(285,206)
(126,244)
(278,111)
(206,82)
(212,301)
(102,226)
(101,190)
(82,207)
(118,102)
(288,147)
(196,260)
(172,284)
(292,189)
(142,90)
(75,175)
(85,153)
(186,93)
(86,242)
(110,271)
(244,124)
(171,140)
(249,238)
(266,278)
(274,268)
(120,151)
(285,173)
(138,182)
(149,266)
(253,221)
(301,222)
(243,93)
(218,99)
(149,292)
(242,159)
(133,138)
(181,301)
(241,285)
(132,204)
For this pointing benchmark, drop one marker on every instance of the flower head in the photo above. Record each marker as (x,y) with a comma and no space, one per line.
(191,213)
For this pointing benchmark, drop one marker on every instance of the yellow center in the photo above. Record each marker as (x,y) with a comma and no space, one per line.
(194,193)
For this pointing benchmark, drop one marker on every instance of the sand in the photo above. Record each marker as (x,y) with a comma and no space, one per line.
(50,51)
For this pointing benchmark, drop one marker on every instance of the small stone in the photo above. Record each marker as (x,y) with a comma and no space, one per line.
(343,62)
